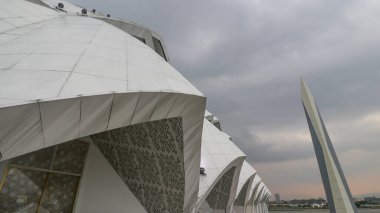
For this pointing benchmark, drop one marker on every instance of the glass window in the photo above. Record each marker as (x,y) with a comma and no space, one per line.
(22,190)
(158,48)
(45,180)
(141,39)
(59,193)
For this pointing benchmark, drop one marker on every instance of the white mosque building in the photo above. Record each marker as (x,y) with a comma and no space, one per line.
(93,118)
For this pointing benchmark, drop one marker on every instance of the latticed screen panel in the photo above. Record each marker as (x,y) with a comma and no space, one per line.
(22,190)
(45,180)
(219,195)
(148,157)
(59,193)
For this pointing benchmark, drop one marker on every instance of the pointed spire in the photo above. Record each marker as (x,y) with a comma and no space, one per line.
(337,191)
(306,93)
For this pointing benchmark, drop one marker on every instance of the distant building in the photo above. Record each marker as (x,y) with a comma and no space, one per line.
(372,200)
(277,198)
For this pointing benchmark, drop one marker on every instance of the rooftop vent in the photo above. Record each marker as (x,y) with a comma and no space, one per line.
(60,5)
(203,171)
(84,11)
(108,15)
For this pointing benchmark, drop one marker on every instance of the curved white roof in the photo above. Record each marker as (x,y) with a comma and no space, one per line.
(218,155)
(18,14)
(254,187)
(70,56)
(247,173)
(65,76)
(127,26)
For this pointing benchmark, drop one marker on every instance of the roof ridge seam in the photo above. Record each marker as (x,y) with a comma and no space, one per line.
(68,76)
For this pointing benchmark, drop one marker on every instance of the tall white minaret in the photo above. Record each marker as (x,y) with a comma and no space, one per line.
(337,192)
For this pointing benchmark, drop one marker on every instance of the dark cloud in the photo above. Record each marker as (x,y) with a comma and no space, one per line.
(248,56)
(258,152)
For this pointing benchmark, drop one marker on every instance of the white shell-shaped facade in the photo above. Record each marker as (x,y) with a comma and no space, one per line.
(253,194)
(222,161)
(91,103)
(243,193)
(260,199)
(219,155)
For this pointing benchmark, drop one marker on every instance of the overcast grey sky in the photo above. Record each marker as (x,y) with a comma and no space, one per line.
(247,58)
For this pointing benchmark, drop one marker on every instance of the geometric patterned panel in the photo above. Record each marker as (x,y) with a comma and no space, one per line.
(25,189)
(65,157)
(149,159)
(240,200)
(70,157)
(39,159)
(22,190)
(219,195)
(59,193)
